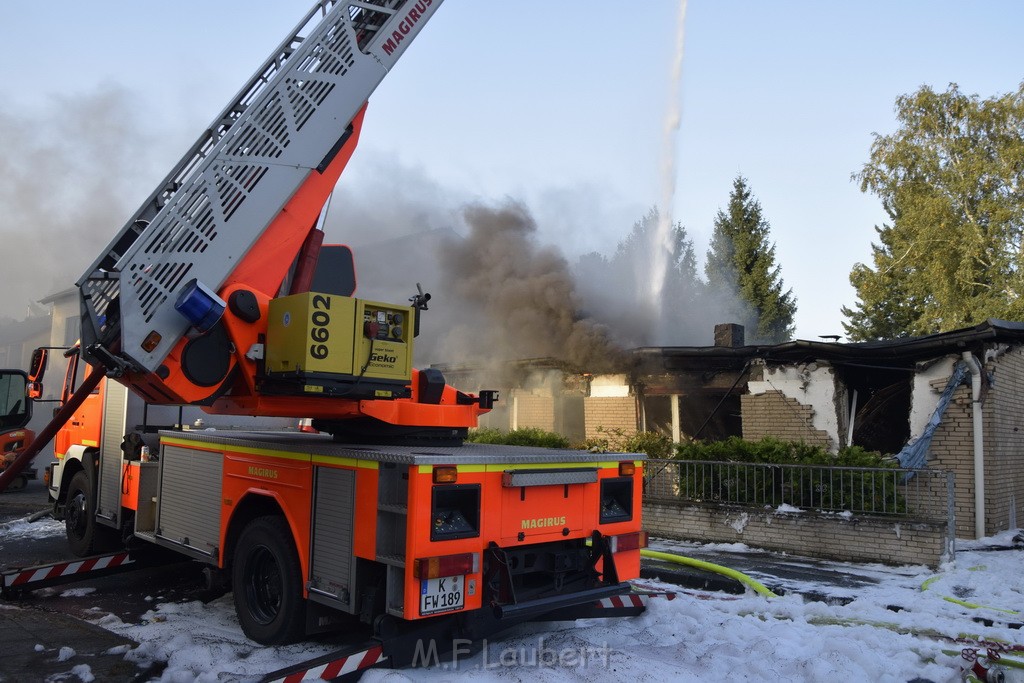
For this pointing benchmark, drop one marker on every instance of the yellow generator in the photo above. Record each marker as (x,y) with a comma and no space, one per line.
(339,346)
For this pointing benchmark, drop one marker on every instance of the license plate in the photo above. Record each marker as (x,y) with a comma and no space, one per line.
(442,595)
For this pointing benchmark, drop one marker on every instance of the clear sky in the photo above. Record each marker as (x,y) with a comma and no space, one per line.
(561,104)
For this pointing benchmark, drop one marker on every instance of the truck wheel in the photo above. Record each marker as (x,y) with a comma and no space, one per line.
(267,583)
(85,536)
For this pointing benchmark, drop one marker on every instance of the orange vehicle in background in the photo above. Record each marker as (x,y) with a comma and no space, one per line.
(15,414)
(11,443)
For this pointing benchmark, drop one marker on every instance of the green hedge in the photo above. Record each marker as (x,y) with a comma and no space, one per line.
(528,436)
(654,444)
(776,451)
(799,487)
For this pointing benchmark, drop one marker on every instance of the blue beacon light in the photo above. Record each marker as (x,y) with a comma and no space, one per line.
(200,305)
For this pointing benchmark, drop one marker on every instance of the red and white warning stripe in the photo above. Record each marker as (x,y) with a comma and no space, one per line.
(338,667)
(632,599)
(62,569)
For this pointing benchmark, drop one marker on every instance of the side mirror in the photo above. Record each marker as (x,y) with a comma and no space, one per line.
(36,370)
(37,367)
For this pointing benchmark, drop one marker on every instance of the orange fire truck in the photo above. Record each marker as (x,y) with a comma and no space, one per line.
(218,293)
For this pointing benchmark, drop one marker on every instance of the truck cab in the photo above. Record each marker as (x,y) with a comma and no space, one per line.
(15,413)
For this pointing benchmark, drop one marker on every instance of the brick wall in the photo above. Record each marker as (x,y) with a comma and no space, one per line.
(1003,426)
(774,414)
(617,412)
(850,539)
(534,411)
(1004,443)
(952,449)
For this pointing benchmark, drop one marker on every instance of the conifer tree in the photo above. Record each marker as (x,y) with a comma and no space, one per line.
(741,262)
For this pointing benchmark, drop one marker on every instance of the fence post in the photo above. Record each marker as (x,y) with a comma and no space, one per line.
(950,550)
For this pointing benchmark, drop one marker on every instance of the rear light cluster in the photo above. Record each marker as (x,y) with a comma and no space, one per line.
(446,475)
(446,565)
(624,542)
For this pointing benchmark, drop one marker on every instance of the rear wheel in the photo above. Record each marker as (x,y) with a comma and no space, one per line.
(267,583)
(85,535)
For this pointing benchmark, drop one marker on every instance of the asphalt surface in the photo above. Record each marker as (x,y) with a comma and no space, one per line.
(45,636)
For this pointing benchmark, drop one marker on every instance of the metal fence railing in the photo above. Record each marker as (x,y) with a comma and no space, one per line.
(922,494)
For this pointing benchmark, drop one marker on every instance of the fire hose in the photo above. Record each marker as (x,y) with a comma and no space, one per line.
(757,587)
(964,603)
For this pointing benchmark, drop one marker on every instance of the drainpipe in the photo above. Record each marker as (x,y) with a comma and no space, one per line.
(676,430)
(979,445)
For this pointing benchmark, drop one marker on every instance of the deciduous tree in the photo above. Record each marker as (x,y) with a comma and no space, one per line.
(950,181)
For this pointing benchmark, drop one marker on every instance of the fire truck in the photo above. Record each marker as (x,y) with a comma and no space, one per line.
(218,293)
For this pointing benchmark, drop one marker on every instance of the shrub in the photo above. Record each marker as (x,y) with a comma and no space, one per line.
(801,487)
(654,444)
(527,436)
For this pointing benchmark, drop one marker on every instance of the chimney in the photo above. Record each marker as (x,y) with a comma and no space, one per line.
(729,335)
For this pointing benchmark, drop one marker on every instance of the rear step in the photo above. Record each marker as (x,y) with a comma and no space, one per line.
(344,662)
(16,582)
(349,662)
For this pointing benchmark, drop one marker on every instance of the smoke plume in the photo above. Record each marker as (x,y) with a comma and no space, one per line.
(518,298)
(70,178)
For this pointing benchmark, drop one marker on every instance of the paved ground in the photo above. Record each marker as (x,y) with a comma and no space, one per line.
(782,573)
(49,646)
(38,642)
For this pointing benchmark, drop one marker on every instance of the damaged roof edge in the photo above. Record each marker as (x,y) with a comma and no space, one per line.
(909,349)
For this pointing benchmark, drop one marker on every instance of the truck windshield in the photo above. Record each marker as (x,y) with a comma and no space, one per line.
(14,410)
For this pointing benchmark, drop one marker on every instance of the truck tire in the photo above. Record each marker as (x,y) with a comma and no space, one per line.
(267,583)
(85,535)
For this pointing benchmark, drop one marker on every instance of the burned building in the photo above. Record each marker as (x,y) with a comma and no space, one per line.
(884,396)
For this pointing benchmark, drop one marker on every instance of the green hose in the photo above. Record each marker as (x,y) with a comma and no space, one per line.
(758,587)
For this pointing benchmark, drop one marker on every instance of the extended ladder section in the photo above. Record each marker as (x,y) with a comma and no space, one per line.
(289,121)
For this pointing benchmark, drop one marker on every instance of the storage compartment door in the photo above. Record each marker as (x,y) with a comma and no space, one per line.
(331,566)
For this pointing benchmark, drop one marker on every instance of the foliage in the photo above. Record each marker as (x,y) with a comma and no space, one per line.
(740,481)
(527,436)
(742,261)
(776,451)
(950,182)
(654,444)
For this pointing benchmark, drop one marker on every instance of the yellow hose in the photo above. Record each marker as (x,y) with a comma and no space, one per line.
(964,603)
(758,587)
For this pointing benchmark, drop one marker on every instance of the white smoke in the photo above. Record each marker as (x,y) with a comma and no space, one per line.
(662,249)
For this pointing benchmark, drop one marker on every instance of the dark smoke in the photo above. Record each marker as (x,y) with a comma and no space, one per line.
(518,298)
